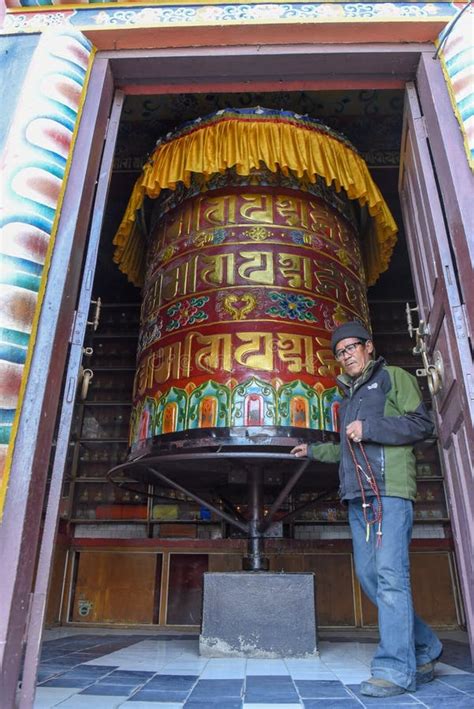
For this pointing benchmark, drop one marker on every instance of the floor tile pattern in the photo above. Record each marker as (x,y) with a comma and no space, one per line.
(100,671)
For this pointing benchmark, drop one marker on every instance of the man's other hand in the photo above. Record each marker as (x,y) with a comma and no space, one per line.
(354,431)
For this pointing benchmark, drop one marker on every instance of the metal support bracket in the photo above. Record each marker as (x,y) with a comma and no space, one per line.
(433,370)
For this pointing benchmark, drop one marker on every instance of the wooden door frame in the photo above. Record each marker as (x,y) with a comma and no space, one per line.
(201,69)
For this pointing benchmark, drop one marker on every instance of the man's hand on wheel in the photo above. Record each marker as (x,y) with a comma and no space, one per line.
(300,451)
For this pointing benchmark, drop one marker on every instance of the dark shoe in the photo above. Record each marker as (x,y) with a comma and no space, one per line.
(425,673)
(378,687)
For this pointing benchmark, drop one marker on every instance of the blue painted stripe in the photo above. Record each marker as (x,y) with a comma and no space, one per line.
(5,433)
(66,114)
(62,120)
(460,61)
(7,416)
(60,112)
(15,337)
(20,280)
(466,106)
(79,38)
(72,70)
(35,220)
(10,353)
(21,264)
(50,157)
(36,209)
(45,166)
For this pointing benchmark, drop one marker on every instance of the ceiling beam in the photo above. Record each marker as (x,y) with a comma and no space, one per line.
(270,68)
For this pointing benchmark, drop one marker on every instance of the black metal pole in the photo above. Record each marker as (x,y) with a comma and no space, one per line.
(283,495)
(255,561)
(312,503)
(220,513)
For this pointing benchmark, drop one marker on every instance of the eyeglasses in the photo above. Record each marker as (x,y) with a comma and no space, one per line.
(349,349)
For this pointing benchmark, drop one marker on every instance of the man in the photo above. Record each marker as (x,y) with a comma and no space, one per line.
(381,416)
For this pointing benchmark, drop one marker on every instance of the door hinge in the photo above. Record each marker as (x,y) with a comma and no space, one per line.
(421,126)
(28,616)
(71,389)
(470,385)
(73,326)
(460,323)
(466,321)
(78,327)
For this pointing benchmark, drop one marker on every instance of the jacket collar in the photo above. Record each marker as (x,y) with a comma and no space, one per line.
(349,385)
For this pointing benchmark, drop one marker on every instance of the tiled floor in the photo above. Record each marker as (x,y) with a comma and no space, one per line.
(103,671)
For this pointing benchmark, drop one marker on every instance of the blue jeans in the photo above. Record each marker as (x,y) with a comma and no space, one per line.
(384,574)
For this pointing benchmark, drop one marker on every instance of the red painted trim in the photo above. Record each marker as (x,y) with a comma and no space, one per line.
(238,546)
(165,544)
(343,32)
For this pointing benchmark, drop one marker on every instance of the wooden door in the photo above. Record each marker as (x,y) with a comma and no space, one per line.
(434,590)
(441,309)
(115,587)
(335,601)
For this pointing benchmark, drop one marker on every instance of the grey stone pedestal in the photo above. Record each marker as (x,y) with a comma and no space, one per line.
(263,614)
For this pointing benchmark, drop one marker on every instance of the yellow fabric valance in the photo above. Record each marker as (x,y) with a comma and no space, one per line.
(243,140)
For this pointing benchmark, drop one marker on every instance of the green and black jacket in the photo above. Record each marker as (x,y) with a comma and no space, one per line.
(388,402)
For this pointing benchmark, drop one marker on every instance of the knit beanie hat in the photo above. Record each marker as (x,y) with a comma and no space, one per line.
(349,329)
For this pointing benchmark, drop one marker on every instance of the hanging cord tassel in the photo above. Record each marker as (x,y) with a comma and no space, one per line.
(376,517)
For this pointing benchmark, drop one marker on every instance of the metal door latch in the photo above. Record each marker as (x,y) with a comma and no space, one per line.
(95,320)
(433,370)
(85,374)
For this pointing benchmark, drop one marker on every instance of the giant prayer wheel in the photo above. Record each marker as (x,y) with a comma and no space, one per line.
(265,232)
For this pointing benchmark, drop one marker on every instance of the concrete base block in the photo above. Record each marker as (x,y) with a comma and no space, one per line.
(258,614)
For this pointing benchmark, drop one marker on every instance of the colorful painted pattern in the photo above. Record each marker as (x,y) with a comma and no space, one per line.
(457,58)
(36,161)
(236,13)
(123,3)
(292,306)
(253,402)
(186,312)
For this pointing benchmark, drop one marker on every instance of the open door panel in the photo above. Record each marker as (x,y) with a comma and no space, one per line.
(440,310)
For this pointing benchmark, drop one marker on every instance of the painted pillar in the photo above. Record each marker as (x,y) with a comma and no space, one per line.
(35,165)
